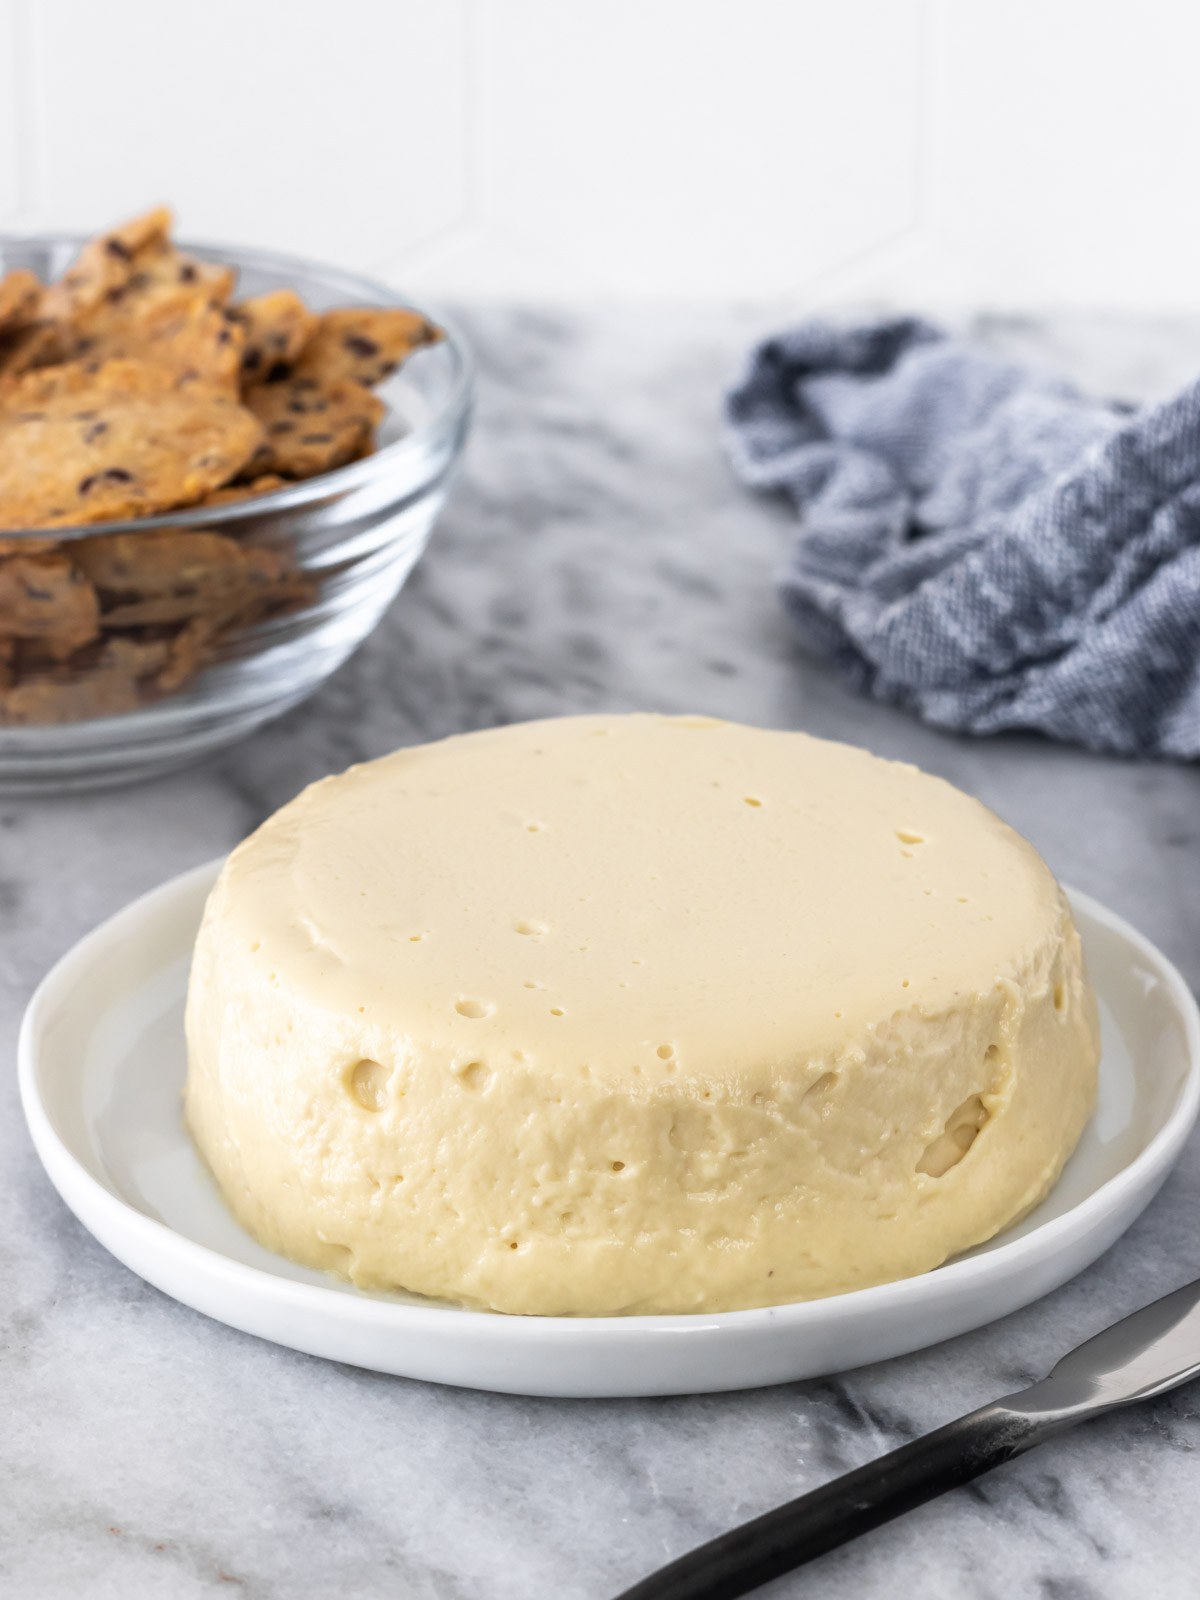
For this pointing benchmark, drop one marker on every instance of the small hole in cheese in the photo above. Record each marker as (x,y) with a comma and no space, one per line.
(367,1082)
(962,1128)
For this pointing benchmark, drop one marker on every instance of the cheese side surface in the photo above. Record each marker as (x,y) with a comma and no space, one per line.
(633,1014)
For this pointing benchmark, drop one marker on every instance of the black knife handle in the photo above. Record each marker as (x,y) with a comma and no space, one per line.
(742,1559)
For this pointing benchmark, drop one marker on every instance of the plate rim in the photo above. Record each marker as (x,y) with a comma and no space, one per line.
(59,1160)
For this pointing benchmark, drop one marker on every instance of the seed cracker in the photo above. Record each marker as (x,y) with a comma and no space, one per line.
(82,444)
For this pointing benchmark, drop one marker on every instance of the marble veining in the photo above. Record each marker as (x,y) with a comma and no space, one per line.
(595,555)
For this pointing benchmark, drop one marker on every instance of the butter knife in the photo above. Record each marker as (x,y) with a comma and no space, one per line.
(1147,1353)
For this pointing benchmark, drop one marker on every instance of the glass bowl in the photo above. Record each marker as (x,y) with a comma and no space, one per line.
(336,549)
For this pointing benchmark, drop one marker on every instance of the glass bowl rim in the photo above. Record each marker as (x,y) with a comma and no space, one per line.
(304,491)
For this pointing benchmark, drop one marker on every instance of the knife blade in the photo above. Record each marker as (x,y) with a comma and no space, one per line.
(1145,1354)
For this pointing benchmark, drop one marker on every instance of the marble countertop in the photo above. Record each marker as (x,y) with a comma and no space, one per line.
(595,555)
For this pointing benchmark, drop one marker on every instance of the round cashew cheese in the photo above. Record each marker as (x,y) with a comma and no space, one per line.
(630,1014)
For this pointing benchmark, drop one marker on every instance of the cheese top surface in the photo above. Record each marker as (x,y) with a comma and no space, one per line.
(592,889)
(461,958)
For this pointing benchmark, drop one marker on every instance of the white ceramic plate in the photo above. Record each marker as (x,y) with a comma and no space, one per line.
(102,1065)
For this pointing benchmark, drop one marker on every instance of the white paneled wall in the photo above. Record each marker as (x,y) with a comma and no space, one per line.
(1005,152)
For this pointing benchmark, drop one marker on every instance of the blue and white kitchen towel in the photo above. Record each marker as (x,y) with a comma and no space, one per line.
(979,542)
